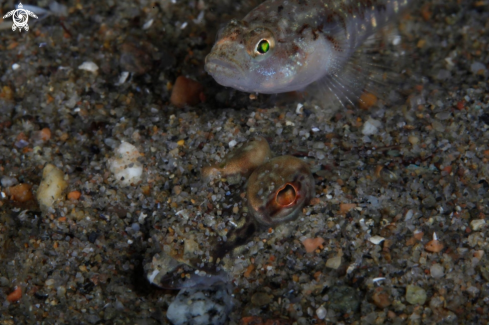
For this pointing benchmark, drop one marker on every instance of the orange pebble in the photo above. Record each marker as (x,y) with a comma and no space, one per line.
(256,320)
(378,169)
(7,93)
(478,254)
(461,105)
(12,46)
(317,275)
(433,246)
(186,92)
(45,134)
(21,192)
(146,189)
(22,136)
(248,271)
(381,298)
(418,234)
(74,195)
(346,207)
(367,100)
(411,241)
(448,169)
(311,244)
(247,320)
(315,201)
(15,295)
(426,12)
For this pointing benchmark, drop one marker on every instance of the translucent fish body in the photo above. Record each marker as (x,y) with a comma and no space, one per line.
(286,45)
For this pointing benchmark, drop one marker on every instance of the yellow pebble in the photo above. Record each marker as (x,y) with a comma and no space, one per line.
(181,143)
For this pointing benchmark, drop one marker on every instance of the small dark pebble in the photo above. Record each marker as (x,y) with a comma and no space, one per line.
(94,149)
(344,299)
(484,118)
(85,288)
(40,295)
(92,237)
(136,57)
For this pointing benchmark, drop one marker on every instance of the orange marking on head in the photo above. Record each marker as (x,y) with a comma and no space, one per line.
(286,195)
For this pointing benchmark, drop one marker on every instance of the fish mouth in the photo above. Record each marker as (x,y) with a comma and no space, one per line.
(221,67)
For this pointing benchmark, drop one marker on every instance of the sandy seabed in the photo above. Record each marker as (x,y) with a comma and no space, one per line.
(387,178)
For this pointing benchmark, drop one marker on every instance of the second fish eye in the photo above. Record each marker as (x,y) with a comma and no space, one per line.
(263,46)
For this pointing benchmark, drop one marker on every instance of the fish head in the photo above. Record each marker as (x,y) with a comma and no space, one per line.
(279,189)
(250,59)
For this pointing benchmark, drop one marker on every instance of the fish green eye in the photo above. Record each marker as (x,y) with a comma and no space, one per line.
(263,46)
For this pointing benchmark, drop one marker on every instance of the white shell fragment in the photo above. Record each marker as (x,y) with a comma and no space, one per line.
(148,24)
(88,66)
(125,166)
(376,240)
(371,126)
(321,312)
(477,224)
(334,262)
(476,67)
(298,110)
(52,186)
(122,78)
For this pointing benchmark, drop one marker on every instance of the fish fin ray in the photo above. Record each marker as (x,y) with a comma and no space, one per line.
(373,71)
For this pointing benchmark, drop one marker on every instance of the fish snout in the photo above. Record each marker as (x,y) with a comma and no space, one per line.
(218,66)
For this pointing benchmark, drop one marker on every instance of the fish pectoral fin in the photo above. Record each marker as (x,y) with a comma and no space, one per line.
(369,75)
